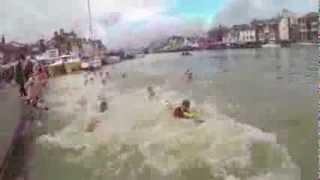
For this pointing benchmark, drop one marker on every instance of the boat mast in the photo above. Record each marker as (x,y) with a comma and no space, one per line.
(90,22)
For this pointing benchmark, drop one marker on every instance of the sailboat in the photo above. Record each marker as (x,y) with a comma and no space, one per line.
(94,61)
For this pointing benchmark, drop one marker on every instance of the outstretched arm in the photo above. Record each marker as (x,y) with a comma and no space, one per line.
(191,115)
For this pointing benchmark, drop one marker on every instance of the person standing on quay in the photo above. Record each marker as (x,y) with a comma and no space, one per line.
(20,79)
(28,67)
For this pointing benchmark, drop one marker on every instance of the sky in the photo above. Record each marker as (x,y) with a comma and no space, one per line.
(121,23)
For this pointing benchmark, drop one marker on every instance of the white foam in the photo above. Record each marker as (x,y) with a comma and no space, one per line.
(142,132)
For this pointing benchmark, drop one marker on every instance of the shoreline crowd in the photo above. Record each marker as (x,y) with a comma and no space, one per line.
(31,79)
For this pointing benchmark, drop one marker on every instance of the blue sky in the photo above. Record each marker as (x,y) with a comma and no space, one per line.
(197,8)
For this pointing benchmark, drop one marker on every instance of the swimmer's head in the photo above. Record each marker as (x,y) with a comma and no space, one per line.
(186,104)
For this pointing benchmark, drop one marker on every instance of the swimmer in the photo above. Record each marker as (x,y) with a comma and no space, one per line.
(180,111)
(86,82)
(103,106)
(107,74)
(92,126)
(183,112)
(187,72)
(104,81)
(188,75)
(82,102)
(151,92)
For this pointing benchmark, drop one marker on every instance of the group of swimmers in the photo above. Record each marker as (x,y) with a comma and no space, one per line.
(182,111)
(90,76)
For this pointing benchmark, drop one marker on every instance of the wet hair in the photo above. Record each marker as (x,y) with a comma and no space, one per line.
(103,106)
(151,91)
(186,103)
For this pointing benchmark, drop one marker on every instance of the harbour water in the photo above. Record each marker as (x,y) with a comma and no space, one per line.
(259,106)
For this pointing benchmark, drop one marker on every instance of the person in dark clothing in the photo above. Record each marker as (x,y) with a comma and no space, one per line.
(28,70)
(20,79)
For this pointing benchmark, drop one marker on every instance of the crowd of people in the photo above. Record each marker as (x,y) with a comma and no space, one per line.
(31,79)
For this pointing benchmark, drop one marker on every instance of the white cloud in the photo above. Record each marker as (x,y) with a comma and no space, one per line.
(242,11)
(114,20)
(124,22)
(117,22)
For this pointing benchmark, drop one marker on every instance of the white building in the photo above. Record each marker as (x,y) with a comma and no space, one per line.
(232,36)
(284,29)
(293,17)
(247,35)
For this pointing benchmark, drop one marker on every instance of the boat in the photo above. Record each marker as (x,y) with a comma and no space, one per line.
(56,68)
(91,63)
(64,64)
(96,63)
(140,55)
(128,56)
(186,53)
(112,59)
(271,45)
(85,66)
(71,63)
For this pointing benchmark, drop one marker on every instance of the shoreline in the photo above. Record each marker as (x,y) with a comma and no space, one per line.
(18,141)
(230,48)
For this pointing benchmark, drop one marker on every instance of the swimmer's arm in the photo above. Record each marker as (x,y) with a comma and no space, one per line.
(191,115)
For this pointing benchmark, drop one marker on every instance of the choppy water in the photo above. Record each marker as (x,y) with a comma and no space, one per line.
(258,105)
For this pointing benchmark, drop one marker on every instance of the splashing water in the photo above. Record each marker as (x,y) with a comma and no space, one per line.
(137,138)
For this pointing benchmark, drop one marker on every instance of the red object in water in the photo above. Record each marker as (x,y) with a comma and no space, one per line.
(178,113)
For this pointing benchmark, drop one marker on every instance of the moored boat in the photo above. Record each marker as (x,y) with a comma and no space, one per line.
(96,63)
(271,45)
(186,53)
(71,63)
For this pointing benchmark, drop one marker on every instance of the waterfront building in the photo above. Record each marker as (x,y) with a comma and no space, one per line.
(228,37)
(284,29)
(266,30)
(247,35)
(216,34)
(294,32)
(238,34)
(12,50)
(308,27)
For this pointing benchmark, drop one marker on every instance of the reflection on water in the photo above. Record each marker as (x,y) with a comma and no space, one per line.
(258,107)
